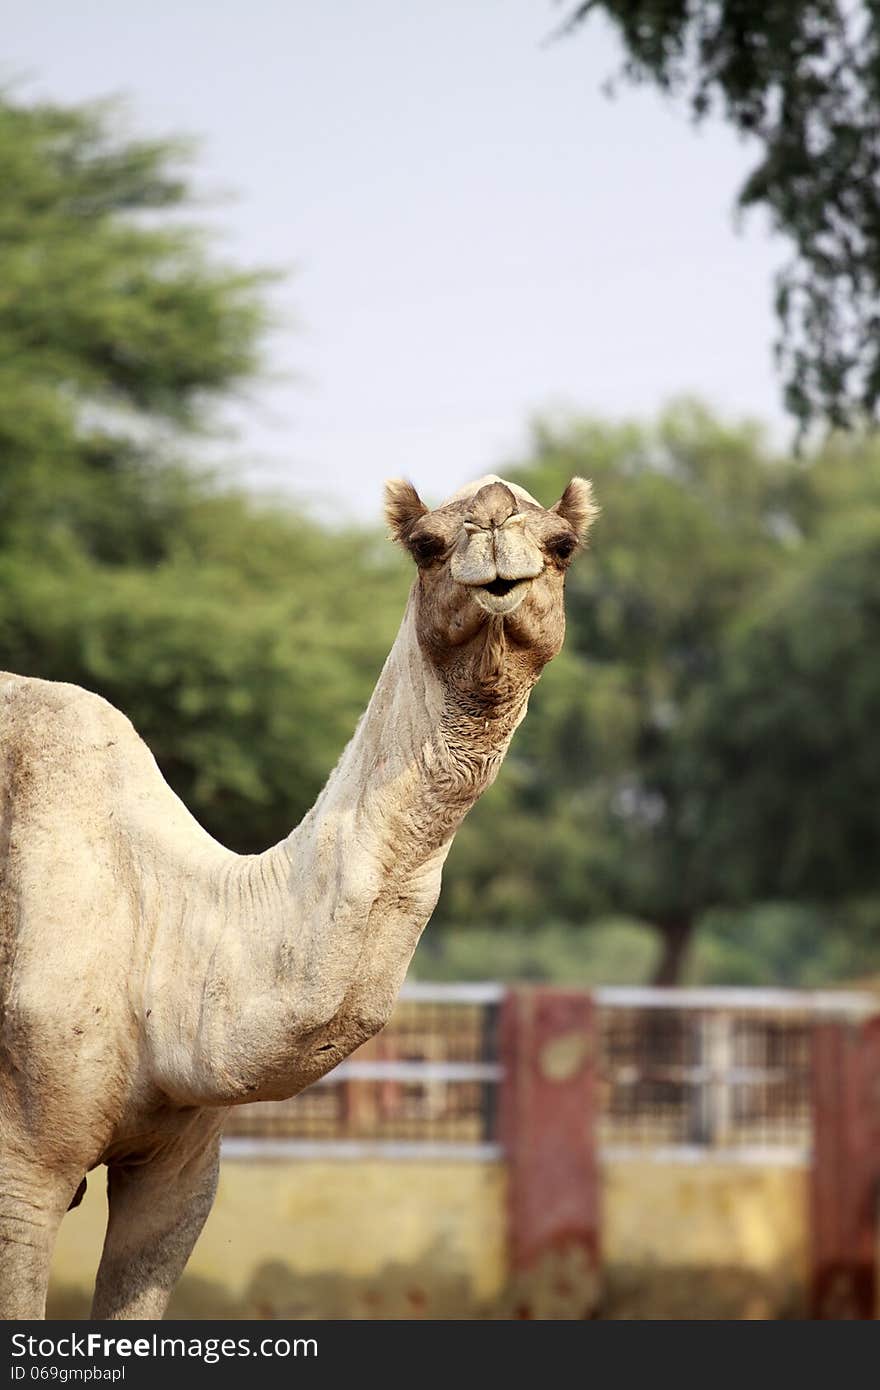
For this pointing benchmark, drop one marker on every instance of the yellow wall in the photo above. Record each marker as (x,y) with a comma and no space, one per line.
(704,1214)
(332,1238)
(715,1240)
(391,1239)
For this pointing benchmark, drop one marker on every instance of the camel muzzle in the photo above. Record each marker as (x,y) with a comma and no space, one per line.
(496,558)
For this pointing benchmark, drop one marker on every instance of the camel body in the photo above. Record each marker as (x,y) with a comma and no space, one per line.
(150,978)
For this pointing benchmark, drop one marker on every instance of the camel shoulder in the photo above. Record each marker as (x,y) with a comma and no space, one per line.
(41,712)
(63,747)
(57,698)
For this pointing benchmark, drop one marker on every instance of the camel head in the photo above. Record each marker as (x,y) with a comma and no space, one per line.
(491,572)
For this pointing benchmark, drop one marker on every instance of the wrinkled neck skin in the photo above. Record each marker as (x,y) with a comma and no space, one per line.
(314,937)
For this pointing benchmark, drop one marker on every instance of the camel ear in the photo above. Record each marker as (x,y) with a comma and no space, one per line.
(403,508)
(577,506)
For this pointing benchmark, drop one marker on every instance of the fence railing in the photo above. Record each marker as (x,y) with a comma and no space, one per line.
(682,1074)
(723,1073)
(426,1086)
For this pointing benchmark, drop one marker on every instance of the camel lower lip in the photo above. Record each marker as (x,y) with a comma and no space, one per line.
(501,603)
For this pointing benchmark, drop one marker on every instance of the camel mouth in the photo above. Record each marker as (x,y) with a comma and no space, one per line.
(501,595)
(500,587)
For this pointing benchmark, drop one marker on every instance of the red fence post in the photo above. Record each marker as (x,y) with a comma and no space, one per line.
(547,1110)
(845,1173)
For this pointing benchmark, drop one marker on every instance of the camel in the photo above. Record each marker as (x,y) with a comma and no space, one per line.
(150,979)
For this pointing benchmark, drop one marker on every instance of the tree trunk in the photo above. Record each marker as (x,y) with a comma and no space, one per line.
(676,933)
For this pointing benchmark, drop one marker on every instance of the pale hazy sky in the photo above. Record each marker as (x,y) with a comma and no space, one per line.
(477,233)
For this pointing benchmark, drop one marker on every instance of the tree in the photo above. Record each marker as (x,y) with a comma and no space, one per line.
(801,78)
(228,630)
(244,659)
(707,749)
(117,332)
(788,741)
(697,521)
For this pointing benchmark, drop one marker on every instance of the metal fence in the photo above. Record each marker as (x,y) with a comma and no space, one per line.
(683,1074)
(426,1085)
(710,1073)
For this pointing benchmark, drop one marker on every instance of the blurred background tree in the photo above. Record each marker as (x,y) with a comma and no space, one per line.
(708,744)
(788,735)
(694,793)
(697,519)
(801,80)
(228,630)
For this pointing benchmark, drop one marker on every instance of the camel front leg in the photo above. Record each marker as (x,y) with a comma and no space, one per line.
(32,1203)
(157,1211)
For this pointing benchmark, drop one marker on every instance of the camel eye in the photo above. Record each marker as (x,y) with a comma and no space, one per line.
(426,547)
(563,546)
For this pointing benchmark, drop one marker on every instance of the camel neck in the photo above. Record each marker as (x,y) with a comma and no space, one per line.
(416,764)
(363,868)
(323,926)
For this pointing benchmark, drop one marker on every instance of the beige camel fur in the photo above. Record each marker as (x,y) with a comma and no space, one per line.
(150,978)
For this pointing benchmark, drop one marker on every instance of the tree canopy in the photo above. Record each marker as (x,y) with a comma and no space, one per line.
(707,739)
(790,731)
(801,79)
(226,629)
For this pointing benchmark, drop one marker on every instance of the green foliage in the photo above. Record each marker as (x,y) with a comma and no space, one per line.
(709,737)
(610,952)
(789,944)
(695,523)
(802,79)
(116,330)
(801,945)
(791,730)
(232,634)
(246,686)
(99,298)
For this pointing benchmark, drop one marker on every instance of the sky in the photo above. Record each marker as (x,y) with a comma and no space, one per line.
(475,233)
